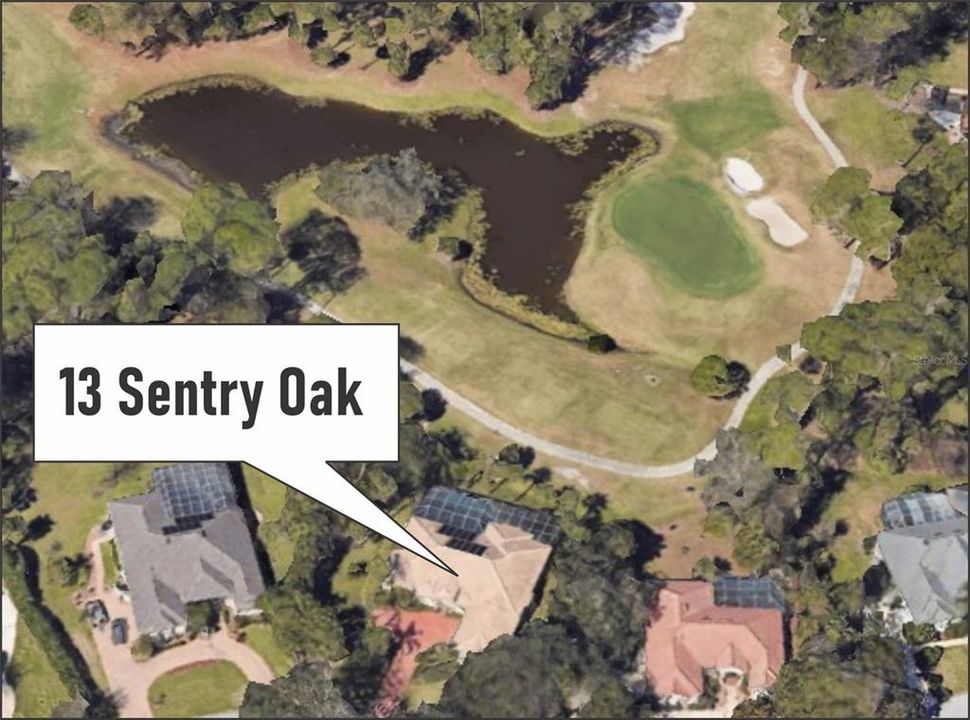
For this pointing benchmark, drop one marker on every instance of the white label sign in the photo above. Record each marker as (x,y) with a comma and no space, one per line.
(287,399)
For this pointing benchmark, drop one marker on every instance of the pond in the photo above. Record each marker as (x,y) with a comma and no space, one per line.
(528,184)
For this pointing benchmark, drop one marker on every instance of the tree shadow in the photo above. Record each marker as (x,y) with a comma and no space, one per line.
(252,523)
(38,527)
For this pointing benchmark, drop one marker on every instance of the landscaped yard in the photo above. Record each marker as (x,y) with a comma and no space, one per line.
(39,690)
(951,71)
(953,668)
(685,228)
(259,636)
(869,133)
(859,505)
(73,498)
(196,690)
(109,557)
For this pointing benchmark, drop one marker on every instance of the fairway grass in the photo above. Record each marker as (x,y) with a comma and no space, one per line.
(685,228)
(198,690)
(634,406)
(741,116)
(630,406)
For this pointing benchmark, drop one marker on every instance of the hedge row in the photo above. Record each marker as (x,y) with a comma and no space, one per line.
(43,625)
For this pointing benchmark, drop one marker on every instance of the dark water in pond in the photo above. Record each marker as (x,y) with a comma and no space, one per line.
(528,184)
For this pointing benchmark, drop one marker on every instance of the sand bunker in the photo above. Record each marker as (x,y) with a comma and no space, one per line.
(669,28)
(782,228)
(742,176)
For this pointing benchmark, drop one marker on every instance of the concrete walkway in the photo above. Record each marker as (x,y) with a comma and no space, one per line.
(762,375)
(952,642)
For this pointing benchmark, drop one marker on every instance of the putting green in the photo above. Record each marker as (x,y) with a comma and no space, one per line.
(689,233)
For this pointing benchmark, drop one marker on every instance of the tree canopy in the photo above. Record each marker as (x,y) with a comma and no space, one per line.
(843,43)
(223,221)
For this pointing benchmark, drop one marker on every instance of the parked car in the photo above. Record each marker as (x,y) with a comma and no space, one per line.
(119,631)
(96,612)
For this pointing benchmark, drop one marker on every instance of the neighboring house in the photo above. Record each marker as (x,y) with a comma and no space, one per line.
(730,626)
(945,106)
(498,549)
(184,541)
(924,547)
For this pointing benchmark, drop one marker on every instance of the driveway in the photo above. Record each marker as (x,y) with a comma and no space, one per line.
(128,679)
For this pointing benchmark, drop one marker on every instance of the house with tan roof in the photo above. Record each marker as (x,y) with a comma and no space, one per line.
(498,550)
(732,626)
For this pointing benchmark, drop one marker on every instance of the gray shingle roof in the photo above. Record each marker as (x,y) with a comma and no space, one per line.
(168,565)
(958,498)
(928,564)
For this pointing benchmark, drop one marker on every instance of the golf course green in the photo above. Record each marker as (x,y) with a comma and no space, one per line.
(689,233)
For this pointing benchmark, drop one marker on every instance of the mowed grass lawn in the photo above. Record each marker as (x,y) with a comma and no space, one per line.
(689,232)
(39,689)
(267,495)
(196,690)
(259,636)
(952,70)
(953,668)
(859,505)
(738,117)
(73,498)
(109,558)
(628,406)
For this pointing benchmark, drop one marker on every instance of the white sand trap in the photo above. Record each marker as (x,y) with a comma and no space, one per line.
(670,28)
(742,176)
(782,228)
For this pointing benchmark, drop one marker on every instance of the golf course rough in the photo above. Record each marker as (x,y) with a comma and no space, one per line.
(684,228)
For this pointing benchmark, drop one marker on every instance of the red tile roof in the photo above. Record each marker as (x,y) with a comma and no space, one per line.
(687,634)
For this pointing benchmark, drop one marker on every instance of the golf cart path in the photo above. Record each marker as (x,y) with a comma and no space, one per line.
(761,376)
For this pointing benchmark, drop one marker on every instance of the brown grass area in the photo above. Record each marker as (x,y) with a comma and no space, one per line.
(877,285)
(612,288)
(624,405)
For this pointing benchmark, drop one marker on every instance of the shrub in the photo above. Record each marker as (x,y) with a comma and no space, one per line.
(716,377)
(454,247)
(918,634)
(143,647)
(601,344)
(514,454)
(927,658)
(201,616)
(87,18)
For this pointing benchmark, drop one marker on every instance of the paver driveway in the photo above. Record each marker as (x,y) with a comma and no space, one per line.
(129,679)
